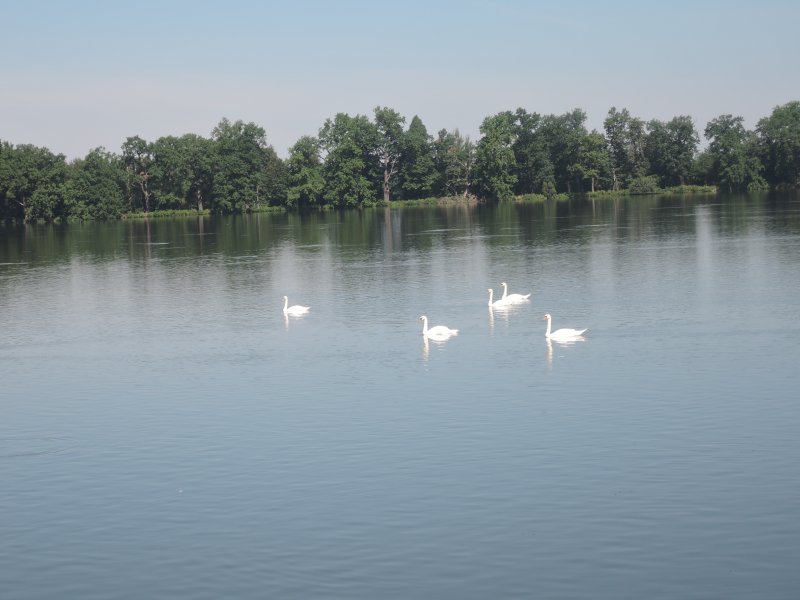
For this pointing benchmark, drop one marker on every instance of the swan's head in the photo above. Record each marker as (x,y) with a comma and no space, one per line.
(423,318)
(285,298)
(546,317)
(504,284)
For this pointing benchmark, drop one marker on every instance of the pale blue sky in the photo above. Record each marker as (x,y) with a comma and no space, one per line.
(79,74)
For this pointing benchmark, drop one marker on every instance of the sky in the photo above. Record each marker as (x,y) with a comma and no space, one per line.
(76,75)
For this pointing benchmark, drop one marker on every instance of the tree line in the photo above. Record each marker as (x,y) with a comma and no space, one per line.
(359,161)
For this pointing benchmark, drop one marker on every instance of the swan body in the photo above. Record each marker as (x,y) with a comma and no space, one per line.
(438,331)
(513,298)
(562,334)
(293,310)
(497,303)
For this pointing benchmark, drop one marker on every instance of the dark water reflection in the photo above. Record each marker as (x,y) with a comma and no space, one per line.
(398,230)
(166,432)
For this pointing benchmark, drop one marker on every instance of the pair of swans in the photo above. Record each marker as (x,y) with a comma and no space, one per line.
(506,299)
(565,334)
(442,332)
(295,310)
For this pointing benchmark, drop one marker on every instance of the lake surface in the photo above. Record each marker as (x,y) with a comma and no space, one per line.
(166,433)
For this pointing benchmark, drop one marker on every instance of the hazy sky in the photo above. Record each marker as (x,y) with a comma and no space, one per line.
(79,74)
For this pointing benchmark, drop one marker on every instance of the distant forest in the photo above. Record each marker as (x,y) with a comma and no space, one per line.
(359,161)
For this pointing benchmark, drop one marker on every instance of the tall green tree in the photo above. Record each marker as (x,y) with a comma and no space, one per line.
(670,149)
(592,161)
(199,156)
(182,171)
(389,149)
(137,157)
(274,179)
(556,153)
(779,145)
(534,167)
(565,136)
(351,168)
(417,175)
(95,189)
(731,147)
(306,180)
(495,163)
(24,169)
(454,158)
(47,203)
(169,178)
(626,139)
(702,170)
(684,143)
(242,179)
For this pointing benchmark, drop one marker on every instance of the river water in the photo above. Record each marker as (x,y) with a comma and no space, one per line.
(166,432)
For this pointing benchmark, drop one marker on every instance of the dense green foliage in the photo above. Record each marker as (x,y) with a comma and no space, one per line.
(356,161)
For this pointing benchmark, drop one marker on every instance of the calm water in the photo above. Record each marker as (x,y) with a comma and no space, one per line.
(165,432)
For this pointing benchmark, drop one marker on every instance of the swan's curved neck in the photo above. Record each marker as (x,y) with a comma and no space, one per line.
(285,302)
(549,322)
(424,324)
(491,295)
(505,291)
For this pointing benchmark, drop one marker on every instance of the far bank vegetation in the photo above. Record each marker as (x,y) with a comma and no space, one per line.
(357,161)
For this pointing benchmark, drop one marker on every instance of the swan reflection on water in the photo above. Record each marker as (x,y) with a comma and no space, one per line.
(426,345)
(288,317)
(502,312)
(562,344)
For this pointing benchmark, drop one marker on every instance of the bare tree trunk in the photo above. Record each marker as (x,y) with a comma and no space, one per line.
(386,184)
(592,184)
(145,192)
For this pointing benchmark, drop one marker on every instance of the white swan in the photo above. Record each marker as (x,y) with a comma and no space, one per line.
(497,303)
(293,310)
(438,332)
(513,298)
(562,334)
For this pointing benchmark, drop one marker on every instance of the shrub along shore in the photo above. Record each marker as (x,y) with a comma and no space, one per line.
(451,200)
